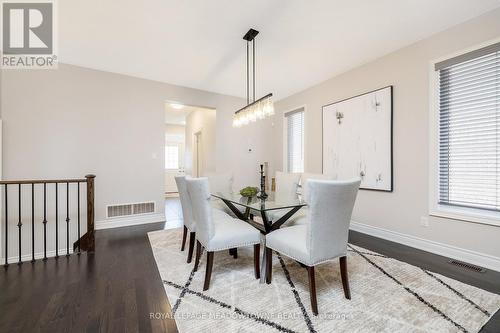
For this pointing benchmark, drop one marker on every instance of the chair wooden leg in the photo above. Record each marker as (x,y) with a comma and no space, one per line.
(312,290)
(269,265)
(345,278)
(256,260)
(184,234)
(208,272)
(192,236)
(198,254)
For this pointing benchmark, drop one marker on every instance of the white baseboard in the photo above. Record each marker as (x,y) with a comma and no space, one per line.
(38,255)
(129,221)
(476,258)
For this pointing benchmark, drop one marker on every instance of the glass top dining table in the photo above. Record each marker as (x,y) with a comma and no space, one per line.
(245,208)
(287,204)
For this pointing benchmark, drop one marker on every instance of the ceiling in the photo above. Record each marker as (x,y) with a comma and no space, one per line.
(198,43)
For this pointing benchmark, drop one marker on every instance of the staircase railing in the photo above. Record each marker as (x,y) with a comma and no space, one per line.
(84,242)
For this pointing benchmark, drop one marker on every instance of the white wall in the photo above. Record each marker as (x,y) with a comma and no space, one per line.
(73,121)
(247,148)
(408,71)
(204,121)
(173,129)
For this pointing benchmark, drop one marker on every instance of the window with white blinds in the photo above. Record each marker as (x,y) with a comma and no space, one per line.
(469,130)
(295,140)
(172,157)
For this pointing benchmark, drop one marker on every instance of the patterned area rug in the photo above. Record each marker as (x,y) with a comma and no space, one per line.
(387,295)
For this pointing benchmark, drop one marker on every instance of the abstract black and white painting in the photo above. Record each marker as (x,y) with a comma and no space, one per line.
(357,139)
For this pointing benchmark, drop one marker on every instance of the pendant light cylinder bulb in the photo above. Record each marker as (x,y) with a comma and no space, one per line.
(259,113)
(253,113)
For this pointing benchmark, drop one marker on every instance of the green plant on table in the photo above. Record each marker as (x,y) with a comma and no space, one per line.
(249,191)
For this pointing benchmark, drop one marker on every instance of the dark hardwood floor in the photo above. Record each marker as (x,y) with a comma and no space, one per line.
(117,288)
(489,280)
(114,290)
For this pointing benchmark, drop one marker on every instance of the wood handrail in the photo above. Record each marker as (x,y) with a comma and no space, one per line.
(42,181)
(83,243)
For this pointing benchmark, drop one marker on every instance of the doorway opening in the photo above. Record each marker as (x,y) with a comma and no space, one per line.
(189,143)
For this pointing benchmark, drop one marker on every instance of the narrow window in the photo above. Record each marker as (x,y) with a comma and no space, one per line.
(295,140)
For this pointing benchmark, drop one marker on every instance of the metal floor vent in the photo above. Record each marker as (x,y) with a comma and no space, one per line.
(467,266)
(131,209)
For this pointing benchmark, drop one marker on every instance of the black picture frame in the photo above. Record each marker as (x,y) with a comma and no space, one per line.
(391,134)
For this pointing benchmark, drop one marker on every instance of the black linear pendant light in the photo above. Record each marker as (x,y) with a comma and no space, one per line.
(257,109)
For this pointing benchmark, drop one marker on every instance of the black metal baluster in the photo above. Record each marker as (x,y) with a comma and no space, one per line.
(67,219)
(32,222)
(19,225)
(78,188)
(44,221)
(57,221)
(6,227)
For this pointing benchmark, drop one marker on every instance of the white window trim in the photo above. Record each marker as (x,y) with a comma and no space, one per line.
(435,209)
(285,134)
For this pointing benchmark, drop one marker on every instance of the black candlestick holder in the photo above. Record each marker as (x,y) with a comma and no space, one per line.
(263,194)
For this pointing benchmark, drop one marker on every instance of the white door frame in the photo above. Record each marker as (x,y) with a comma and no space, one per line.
(198,137)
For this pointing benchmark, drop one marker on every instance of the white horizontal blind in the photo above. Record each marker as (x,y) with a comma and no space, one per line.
(469,125)
(295,140)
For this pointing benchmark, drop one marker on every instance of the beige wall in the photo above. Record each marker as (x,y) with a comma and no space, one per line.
(241,150)
(204,121)
(175,129)
(408,71)
(73,121)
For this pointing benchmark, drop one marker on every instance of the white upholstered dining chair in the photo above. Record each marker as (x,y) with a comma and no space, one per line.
(220,182)
(323,237)
(287,183)
(217,232)
(223,183)
(187,216)
(300,216)
(307,176)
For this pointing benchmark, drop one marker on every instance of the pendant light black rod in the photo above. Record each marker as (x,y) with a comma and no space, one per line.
(253,58)
(248,75)
(250,37)
(255,102)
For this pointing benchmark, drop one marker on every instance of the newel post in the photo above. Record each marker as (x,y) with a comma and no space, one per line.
(90,213)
